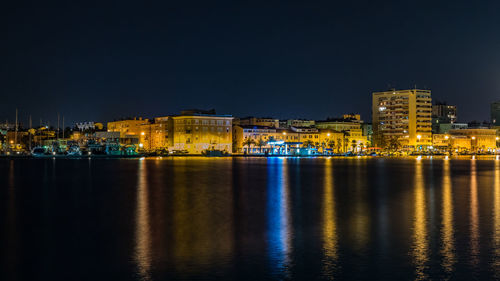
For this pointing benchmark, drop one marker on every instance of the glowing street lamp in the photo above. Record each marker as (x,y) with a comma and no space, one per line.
(473,138)
(329,135)
(446,137)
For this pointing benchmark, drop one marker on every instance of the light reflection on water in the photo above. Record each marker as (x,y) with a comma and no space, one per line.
(474,217)
(496,221)
(420,233)
(250,219)
(329,223)
(279,221)
(142,251)
(447,228)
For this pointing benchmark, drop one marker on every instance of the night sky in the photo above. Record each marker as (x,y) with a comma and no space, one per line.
(289,59)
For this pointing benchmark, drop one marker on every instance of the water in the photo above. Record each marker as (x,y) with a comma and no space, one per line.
(249,219)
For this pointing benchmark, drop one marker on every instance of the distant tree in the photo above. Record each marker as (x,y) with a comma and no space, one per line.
(354,144)
(331,144)
(260,144)
(339,144)
(248,142)
(307,143)
(394,144)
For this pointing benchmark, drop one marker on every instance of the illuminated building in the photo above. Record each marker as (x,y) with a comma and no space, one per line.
(495,113)
(444,113)
(296,123)
(130,127)
(258,134)
(196,131)
(473,140)
(404,115)
(259,139)
(351,126)
(254,121)
(149,135)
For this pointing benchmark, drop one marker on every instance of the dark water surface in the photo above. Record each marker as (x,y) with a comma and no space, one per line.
(249,219)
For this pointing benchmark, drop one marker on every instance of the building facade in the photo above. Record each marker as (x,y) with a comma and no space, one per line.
(444,113)
(148,135)
(254,121)
(296,123)
(403,116)
(495,113)
(196,132)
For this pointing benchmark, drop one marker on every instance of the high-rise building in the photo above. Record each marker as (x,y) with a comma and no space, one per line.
(495,113)
(403,115)
(444,113)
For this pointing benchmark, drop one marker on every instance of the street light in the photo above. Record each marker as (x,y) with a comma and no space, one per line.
(446,137)
(473,138)
(329,135)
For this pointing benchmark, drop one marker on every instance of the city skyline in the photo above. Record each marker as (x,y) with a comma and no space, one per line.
(288,61)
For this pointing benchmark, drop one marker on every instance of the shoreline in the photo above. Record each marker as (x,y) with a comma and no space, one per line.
(89,157)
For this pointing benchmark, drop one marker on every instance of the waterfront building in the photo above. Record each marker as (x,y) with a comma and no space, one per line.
(292,141)
(473,140)
(351,126)
(252,139)
(339,124)
(128,127)
(441,142)
(148,135)
(254,121)
(495,113)
(404,116)
(195,131)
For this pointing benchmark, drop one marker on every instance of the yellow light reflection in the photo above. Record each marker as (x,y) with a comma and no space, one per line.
(496,221)
(142,226)
(474,219)
(359,222)
(202,226)
(329,223)
(447,228)
(420,236)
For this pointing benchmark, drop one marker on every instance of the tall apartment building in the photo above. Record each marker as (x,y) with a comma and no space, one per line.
(444,113)
(404,115)
(495,113)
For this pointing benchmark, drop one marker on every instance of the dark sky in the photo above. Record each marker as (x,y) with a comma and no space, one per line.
(289,59)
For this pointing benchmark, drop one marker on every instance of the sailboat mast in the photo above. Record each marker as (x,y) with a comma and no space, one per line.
(15,135)
(58,125)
